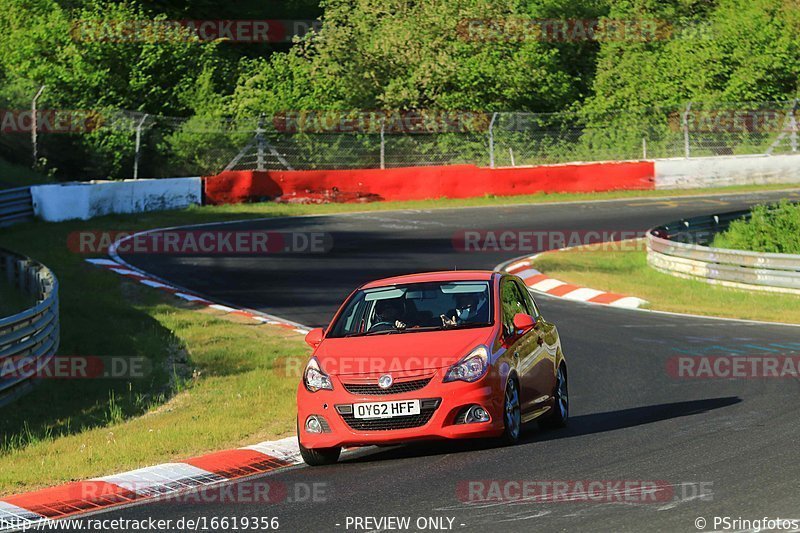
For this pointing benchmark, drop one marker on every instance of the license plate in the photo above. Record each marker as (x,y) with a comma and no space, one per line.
(386,409)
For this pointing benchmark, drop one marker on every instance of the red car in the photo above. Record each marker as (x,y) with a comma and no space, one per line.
(443,355)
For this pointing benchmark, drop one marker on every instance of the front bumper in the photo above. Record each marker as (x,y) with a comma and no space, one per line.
(441,403)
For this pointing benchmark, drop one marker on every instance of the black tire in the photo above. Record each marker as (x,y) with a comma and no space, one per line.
(560,413)
(318,456)
(512,415)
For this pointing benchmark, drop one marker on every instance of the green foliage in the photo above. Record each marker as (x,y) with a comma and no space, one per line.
(407,55)
(771,229)
(42,44)
(724,51)
(397,55)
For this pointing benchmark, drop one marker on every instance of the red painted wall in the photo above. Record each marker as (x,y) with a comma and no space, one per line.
(418,183)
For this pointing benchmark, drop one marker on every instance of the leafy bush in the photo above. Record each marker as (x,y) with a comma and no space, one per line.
(772,229)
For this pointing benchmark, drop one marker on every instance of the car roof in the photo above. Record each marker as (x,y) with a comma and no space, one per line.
(449,275)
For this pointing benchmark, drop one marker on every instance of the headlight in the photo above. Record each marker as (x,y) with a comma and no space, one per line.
(471,368)
(314,378)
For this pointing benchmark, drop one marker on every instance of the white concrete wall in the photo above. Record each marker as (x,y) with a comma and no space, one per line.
(726,170)
(70,201)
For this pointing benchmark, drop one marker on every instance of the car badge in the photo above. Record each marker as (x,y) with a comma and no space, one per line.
(385,381)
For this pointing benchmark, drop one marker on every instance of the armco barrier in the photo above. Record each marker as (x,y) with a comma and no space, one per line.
(420,183)
(28,339)
(678,248)
(16,205)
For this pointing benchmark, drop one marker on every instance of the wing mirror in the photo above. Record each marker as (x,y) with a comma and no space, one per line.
(314,337)
(524,322)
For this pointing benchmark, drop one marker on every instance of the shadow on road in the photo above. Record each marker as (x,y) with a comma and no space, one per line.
(578,426)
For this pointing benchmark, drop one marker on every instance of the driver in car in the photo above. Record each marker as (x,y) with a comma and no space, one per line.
(389,313)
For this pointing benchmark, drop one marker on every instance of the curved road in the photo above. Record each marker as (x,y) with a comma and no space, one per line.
(731,441)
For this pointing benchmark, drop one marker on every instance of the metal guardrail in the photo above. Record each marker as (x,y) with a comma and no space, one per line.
(16,205)
(679,248)
(28,340)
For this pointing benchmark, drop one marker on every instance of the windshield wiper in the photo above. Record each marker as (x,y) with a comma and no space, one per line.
(470,325)
(422,328)
(382,332)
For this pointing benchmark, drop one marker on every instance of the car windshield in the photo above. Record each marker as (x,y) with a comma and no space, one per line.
(415,307)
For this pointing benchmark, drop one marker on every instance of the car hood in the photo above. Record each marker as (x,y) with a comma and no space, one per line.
(399,353)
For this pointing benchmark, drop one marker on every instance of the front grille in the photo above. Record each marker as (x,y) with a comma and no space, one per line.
(369,389)
(427,409)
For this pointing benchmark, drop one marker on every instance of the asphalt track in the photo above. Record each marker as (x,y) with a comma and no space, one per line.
(630,419)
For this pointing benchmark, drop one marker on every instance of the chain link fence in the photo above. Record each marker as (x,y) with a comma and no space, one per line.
(122,144)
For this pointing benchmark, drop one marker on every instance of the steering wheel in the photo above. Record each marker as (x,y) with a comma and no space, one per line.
(382,326)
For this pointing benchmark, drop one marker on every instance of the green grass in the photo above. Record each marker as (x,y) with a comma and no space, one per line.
(628,273)
(215,383)
(12,176)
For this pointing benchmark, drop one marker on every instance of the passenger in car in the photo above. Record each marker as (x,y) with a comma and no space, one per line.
(471,308)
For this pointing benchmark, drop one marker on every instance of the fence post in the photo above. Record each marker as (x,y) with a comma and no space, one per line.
(383,147)
(644,147)
(793,122)
(139,127)
(491,140)
(686,150)
(789,125)
(260,165)
(35,127)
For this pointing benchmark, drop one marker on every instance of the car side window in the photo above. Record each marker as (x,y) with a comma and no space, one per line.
(513,302)
(353,313)
(530,303)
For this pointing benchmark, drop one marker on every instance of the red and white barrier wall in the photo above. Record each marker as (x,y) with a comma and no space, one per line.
(420,183)
(84,201)
(466,181)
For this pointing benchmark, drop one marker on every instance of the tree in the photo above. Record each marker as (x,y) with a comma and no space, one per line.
(398,54)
